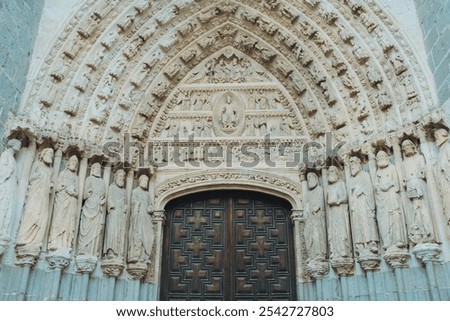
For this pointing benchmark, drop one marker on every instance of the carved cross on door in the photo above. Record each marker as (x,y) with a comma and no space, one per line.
(196,246)
(197,220)
(196,274)
(262,274)
(260,220)
(261,246)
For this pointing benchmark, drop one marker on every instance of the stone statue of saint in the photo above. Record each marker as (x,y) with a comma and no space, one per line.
(443,168)
(92,213)
(36,212)
(315,226)
(362,208)
(8,184)
(141,233)
(116,218)
(421,229)
(229,115)
(65,209)
(338,218)
(391,221)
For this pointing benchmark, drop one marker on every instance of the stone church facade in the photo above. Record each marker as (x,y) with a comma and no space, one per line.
(226,150)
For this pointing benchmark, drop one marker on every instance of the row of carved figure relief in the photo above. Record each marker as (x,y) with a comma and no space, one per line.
(54,205)
(368,209)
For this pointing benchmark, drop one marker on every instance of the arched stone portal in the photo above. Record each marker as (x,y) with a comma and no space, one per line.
(176,97)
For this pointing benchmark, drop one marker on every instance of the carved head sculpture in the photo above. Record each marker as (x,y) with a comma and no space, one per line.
(14,144)
(441,136)
(355,165)
(47,155)
(333,174)
(143,181)
(119,178)
(96,170)
(73,163)
(228,99)
(382,159)
(312,179)
(408,148)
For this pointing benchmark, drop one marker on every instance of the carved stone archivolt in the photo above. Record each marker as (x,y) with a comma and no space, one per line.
(329,41)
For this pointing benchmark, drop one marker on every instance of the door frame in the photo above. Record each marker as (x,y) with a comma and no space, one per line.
(229,197)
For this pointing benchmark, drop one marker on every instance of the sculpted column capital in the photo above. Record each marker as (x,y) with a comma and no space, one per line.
(59,259)
(397,258)
(85,263)
(297,216)
(159,216)
(112,268)
(137,270)
(427,252)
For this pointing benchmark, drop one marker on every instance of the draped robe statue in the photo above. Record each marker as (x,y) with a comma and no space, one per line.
(92,213)
(421,229)
(62,231)
(116,218)
(362,208)
(315,229)
(141,233)
(443,169)
(390,217)
(338,219)
(36,212)
(8,185)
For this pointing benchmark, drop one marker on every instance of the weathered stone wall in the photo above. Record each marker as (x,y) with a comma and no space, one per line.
(19,20)
(434,18)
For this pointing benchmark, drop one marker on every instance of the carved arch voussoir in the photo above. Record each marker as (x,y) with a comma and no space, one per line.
(229,179)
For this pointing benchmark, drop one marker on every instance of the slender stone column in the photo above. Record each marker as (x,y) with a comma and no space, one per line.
(297,219)
(159,219)
(428,253)
(58,263)
(398,261)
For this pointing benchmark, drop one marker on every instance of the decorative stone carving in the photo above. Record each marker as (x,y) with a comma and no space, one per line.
(362,208)
(315,227)
(338,222)
(141,235)
(92,214)
(421,225)
(8,186)
(117,211)
(443,169)
(65,208)
(36,212)
(391,221)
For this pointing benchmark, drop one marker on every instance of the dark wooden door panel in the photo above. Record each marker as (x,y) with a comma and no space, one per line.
(228,247)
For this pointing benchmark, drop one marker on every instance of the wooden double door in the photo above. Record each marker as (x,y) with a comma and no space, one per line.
(228,245)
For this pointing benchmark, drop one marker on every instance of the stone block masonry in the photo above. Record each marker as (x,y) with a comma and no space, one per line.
(19,21)
(434,17)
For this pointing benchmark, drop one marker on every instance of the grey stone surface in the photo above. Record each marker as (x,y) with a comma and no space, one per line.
(19,20)
(434,17)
